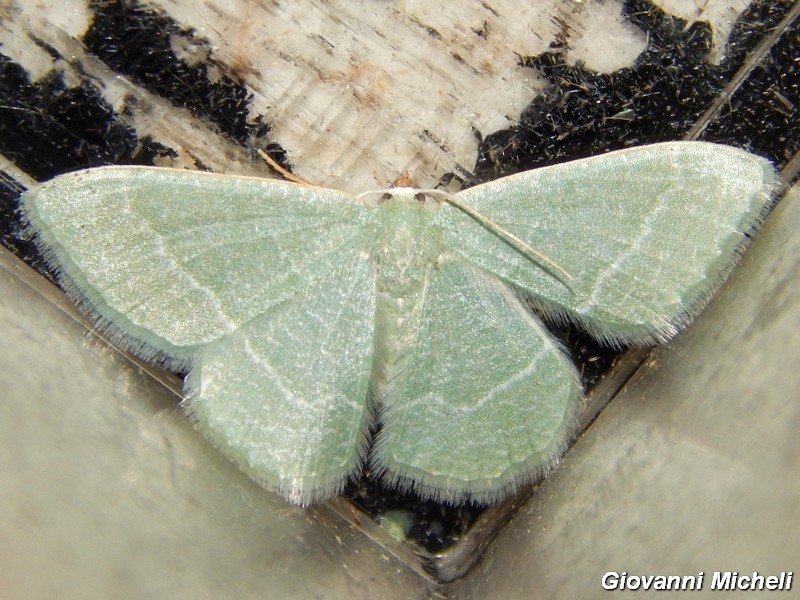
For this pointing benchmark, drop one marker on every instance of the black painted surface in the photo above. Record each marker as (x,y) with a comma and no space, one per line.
(139,42)
(764,113)
(659,98)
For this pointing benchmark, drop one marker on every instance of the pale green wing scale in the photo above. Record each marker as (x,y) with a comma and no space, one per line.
(301,313)
(646,234)
(176,259)
(262,289)
(285,394)
(487,398)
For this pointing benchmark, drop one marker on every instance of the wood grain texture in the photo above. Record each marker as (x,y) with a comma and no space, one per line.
(356,93)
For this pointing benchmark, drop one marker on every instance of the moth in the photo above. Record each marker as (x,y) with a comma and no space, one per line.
(306,316)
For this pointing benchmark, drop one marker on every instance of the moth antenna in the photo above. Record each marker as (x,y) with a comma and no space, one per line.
(501,231)
(286,174)
(363,195)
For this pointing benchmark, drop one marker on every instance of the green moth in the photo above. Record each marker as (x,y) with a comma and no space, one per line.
(304,315)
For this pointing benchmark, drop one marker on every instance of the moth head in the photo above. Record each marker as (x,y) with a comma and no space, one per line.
(429,198)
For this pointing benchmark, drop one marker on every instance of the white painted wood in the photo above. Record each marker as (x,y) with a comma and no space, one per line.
(356,92)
